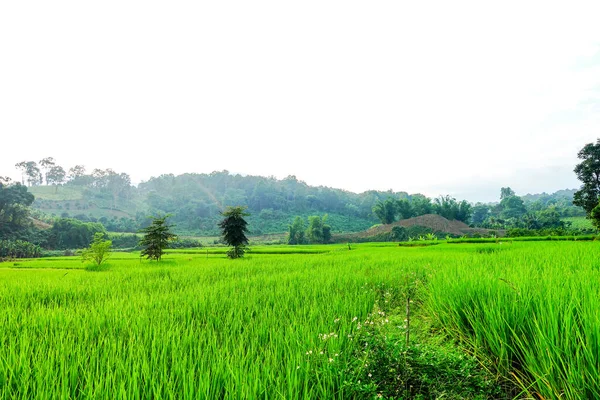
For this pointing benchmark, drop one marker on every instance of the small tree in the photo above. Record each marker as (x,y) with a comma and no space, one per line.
(156,238)
(399,233)
(297,231)
(234,228)
(99,250)
(318,231)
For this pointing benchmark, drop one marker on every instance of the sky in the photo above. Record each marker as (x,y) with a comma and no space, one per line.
(436,97)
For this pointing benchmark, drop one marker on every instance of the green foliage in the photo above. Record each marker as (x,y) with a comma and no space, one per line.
(425,368)
(99,250)
(451,209)
(386,210)
(595,216)
(399,234)
(14,210)
(481,212)
(32,171)
(296,233)
(69,233)
(234,228)
(18,249)
(533,309)
(56,175)
(512,207)
(581,223)
(156,238)
(318,231)
(506,192)
(588,172)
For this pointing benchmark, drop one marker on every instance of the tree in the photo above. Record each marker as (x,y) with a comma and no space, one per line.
(22,166)
(464,211)
(156,238)
(588,172)
(480,213)
(14,209)
(47,164)
(296,232)
(69,233)
(512,207)
(30,168)
(404,209)
(386,210)
(77,176)
(420,204)
(234,228)
(99,250)
(399,233)
(55,176)
(318,231)
(595,216)
(506,192)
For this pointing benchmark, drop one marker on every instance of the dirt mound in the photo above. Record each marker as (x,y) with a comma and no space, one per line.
(434,222)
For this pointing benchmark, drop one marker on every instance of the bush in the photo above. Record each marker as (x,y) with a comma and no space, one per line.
(18,249)
(99,250)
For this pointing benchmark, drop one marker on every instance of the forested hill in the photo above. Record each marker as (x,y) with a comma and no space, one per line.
(195,200)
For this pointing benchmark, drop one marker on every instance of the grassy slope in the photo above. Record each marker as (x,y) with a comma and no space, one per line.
(61,193)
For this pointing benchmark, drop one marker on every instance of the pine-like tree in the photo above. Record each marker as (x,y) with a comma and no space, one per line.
(234,228)
(156,238)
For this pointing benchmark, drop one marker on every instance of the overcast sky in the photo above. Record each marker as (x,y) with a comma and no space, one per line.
(423,96)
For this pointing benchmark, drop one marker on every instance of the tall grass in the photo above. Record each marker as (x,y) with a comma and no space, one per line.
(186,327)
(533,309)
(194,326)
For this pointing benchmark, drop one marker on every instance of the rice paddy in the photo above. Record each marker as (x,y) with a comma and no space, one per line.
(283,322)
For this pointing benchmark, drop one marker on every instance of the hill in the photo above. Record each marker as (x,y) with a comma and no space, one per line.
(195,201)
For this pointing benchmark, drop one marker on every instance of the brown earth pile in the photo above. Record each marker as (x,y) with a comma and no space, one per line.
(434,222)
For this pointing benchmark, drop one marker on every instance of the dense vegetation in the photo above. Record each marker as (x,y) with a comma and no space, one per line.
(195,200)
(77,205)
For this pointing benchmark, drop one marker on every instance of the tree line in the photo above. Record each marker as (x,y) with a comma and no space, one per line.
(196,200)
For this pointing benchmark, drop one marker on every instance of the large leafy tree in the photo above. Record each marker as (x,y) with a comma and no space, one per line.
(386,210)
(318,231)
(296,233)
(32,171)
(512,207)
(14,208)
(588,172)
(156,238)
(55,176)
(47,164)
(420,204)
(234,228)
(506,192)
(404,209)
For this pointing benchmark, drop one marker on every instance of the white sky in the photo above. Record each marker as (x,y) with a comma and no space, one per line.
(429,96)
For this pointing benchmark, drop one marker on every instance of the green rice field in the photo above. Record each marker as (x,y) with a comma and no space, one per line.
(287,322)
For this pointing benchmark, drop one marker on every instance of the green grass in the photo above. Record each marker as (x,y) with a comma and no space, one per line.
(287,323)
(60,193)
